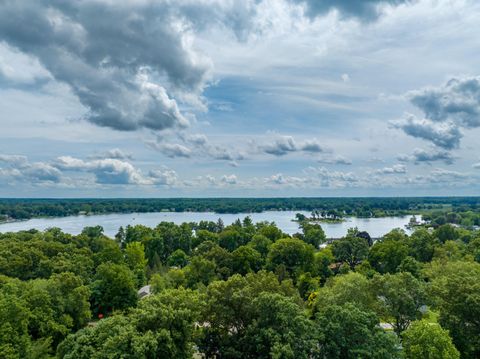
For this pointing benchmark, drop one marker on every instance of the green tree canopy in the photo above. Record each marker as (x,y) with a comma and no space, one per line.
(351,288)
(386,255)
(423,340)
(313,234)
(178,259)
(245,259)
(455,292)
(114,288)
(230,309)
(346,332)
(279,329)
(422,244)
(400,297)
(162,326)
(351,250)
(295,255)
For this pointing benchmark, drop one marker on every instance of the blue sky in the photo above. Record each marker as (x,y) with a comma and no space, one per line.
(146,98)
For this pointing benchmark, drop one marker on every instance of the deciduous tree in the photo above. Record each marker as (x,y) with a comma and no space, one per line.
(428,341)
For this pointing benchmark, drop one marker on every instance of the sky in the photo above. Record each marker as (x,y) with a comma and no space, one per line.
(239,98)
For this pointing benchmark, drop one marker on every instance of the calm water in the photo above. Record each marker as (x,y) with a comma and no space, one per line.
(111,222)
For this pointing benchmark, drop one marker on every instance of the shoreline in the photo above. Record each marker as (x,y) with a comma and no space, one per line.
(331,221)
(283,219)
(345,219)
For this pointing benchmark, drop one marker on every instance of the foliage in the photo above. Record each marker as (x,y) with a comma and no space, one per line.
(136,261)
(231,308)
(455,292)
(292,254)
(244,290)
(15,341)
(429,341)
(177,259)
(361,207)
(353,288)
(38,314)
(422,245)
(161,327)
(200,271)
(279,329)
(346,332)
(321,263)
(245,259)
(351,250)
(313,234)
(113,288)
(387,255)
(400,297)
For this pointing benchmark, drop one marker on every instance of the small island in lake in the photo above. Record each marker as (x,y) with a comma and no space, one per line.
(331,216)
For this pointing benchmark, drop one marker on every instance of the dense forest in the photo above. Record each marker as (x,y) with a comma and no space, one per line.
(359,207)
(246,290)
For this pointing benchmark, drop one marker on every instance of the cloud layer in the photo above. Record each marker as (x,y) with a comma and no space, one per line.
(365,10)
(447,109)
(124,61)
(238,97)
(281,145)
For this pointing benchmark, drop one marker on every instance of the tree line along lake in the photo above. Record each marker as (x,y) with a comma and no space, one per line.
(376,227)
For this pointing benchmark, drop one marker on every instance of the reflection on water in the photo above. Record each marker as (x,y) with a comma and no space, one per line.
(376,227)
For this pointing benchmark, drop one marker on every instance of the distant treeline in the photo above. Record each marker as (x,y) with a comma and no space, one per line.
(360,207)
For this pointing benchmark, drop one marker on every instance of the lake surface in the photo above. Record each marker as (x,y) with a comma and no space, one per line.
(376,227)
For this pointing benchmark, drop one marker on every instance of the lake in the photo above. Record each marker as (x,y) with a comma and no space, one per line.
(376,227)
